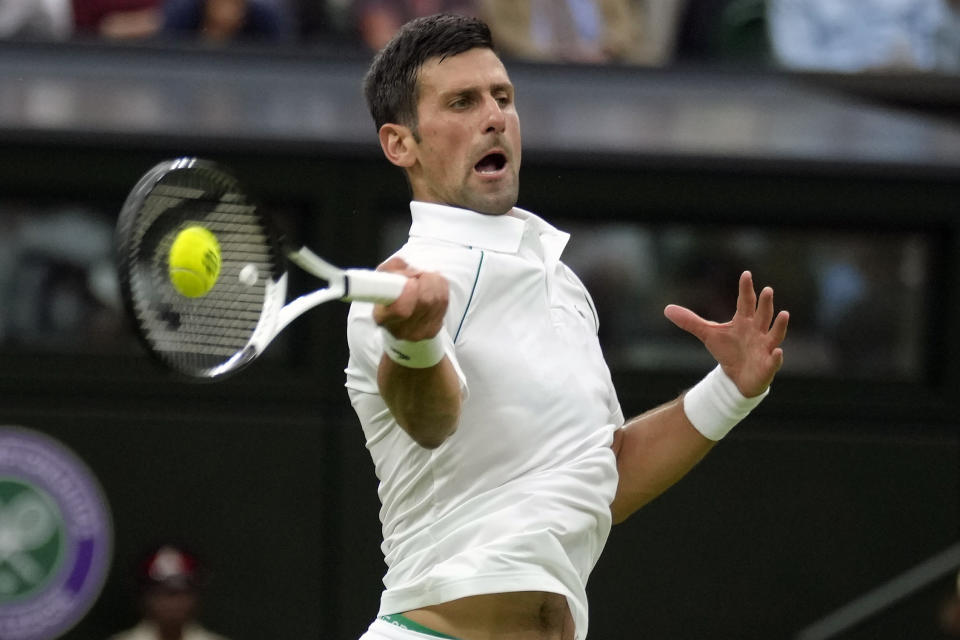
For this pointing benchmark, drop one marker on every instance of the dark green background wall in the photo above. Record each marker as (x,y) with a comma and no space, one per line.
(774,529)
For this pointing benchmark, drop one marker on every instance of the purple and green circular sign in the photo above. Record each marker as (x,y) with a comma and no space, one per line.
(55,536)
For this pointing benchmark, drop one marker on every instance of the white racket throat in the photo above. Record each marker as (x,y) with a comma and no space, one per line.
(349,284)
(343,284)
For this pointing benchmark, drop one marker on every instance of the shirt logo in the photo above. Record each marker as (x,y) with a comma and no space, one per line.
(55,537)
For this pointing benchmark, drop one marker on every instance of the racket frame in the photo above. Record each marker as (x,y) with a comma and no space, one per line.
(342,284)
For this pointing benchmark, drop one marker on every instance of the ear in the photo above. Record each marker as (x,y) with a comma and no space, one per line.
(398,144)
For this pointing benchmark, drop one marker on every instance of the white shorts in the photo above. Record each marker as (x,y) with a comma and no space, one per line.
(383,630)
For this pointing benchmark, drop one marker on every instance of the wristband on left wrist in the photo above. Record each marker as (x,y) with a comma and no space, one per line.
(715,405)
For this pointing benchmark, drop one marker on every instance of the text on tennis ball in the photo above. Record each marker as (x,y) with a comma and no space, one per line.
(194,261)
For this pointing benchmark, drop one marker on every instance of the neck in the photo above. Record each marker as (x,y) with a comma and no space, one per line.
(170,632)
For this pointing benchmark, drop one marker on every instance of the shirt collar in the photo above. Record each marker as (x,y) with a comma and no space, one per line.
(502,233)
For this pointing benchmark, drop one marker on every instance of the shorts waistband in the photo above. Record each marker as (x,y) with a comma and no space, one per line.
(402,621)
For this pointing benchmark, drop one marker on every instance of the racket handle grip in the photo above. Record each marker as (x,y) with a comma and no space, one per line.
(372,286)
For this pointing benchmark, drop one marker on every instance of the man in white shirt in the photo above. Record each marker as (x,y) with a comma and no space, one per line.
(494,427)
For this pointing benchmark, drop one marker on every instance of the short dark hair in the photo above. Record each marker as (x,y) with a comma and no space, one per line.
(390,85)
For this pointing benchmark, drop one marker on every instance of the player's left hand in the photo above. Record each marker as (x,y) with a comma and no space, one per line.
(748,346)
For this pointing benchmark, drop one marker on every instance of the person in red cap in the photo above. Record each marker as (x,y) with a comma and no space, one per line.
(169,581)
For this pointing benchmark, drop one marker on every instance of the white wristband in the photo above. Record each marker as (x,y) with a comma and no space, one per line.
(419,354)
(714,405)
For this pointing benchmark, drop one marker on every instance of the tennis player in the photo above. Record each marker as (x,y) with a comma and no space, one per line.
(496,433)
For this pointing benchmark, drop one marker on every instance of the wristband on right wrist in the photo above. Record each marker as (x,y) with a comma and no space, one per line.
(715,405)
(415,354)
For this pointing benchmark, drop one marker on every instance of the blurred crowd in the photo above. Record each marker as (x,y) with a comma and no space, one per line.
(867,35)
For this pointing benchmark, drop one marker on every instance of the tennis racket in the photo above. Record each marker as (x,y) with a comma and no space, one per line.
(219,333)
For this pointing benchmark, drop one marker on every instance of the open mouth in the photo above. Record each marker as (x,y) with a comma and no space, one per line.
(491,163)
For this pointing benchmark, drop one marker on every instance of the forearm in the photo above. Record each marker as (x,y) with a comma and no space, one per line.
(425,402)
(661,446)
(415,377)
(654,450)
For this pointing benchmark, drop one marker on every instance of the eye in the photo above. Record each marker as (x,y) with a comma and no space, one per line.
(460,103)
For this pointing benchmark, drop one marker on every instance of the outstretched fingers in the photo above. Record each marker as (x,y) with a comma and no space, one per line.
(747,297)
(748,347)
(775,337)
(754,320)
(778,332)
(687,320)
(761,309)
(764,315)
(774,328)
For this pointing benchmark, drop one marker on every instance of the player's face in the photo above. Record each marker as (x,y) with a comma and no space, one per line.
(468,152)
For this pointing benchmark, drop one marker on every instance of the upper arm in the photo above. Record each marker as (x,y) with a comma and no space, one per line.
(653,452)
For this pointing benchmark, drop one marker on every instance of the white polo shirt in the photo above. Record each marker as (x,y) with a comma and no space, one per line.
(518,498)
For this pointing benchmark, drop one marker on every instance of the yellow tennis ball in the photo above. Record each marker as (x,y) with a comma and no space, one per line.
(194,261)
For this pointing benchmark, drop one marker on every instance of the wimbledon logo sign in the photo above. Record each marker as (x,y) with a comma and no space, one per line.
(55,537)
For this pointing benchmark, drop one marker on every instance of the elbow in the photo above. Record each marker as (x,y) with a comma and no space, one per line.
(619,513)
(429,442)
(431,434)
(624,506)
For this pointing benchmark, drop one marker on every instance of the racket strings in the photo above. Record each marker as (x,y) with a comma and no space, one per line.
(198,334)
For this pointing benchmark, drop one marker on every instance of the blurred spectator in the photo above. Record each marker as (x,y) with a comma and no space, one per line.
(862,277)
(325,22)
(659,22)
(229,20)
(868,35)
(40,19)
(117,19)
(377,20)
(169,582)
(723,31)
(586,31)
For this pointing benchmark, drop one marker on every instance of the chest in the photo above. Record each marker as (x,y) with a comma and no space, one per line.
(533,326)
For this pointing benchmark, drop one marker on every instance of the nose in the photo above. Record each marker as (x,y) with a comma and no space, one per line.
(495,121)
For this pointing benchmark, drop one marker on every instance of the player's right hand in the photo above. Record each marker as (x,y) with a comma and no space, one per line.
(419,311)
